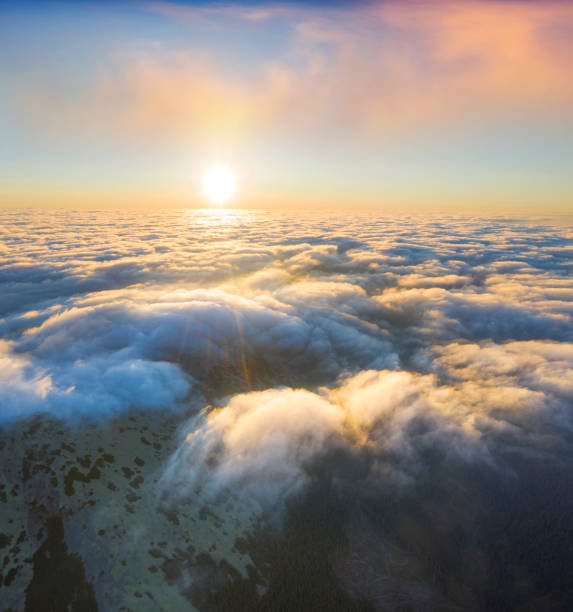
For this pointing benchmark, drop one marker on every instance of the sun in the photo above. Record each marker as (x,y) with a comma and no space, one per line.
(219,184)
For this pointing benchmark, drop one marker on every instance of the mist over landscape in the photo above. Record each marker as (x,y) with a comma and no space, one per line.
(241,410)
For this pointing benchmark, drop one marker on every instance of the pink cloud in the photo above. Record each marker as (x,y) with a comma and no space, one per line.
(389,69)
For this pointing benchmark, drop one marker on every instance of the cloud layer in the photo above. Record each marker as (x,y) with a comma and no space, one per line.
(200,305)
(402,381)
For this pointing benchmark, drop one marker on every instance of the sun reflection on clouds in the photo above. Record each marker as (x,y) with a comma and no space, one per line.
(217,217)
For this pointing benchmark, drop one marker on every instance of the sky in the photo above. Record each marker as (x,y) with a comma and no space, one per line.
(461,106)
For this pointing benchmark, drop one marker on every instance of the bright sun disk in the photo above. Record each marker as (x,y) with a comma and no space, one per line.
(219,184)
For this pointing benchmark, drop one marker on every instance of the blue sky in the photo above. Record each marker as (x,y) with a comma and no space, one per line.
(312,103)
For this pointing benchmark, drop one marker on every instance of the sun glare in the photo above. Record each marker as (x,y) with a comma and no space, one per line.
(219,184)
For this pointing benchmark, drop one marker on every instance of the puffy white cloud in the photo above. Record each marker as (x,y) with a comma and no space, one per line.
(264,444)
(258,443)
(87,388)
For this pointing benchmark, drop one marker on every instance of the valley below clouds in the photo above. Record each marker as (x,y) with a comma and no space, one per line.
(228,410)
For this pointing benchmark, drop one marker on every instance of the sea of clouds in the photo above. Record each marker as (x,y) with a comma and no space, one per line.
(285,340)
